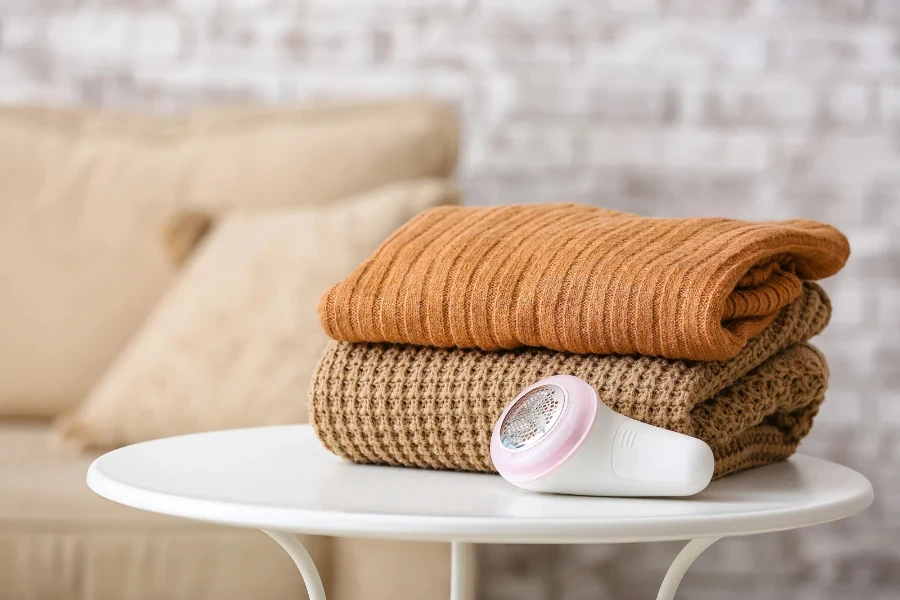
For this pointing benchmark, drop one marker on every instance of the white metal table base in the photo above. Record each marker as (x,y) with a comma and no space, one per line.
(458,551)
(303,560)
(679,566)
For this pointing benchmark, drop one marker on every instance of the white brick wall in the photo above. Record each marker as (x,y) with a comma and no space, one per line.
(747,108)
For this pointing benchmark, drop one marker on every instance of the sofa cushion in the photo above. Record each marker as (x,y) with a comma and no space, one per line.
(235,340)
(84,197)
(58,540)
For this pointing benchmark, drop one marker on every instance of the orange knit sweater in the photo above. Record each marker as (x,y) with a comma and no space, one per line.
(579,279)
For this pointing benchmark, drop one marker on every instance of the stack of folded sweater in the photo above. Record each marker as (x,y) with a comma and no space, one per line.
(695,325)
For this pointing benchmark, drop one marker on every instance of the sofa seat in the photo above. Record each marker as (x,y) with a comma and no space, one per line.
(59,540)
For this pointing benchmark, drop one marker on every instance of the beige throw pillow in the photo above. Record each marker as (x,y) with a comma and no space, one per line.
(83,197)
(234,342)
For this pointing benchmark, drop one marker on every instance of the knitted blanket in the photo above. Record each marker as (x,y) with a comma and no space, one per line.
(431,407)
(579,279)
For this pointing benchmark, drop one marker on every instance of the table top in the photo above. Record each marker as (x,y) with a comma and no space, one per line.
(282,478)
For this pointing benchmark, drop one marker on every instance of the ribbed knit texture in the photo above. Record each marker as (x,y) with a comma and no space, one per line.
(435,408)
(579,279)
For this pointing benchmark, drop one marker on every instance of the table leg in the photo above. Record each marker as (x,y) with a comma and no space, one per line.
(303,560)
(458,552)
(680,565)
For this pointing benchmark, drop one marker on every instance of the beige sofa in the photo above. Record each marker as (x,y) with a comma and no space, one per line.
(82,201)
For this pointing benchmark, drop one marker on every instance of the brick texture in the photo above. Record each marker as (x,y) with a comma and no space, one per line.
(747,108)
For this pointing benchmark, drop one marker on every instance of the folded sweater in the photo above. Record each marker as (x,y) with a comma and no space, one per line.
(436,408)
(579,279)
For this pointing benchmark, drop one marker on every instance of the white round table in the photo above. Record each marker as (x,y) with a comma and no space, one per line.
(282,481)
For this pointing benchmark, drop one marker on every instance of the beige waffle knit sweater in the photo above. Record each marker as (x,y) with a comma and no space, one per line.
(435,408)
(579,279)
